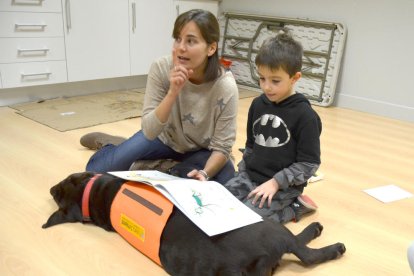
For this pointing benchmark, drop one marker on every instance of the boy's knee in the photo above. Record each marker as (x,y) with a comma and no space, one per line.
(265,211)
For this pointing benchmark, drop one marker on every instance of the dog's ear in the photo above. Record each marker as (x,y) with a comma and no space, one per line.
(68,196)
(78,179)
(73,214)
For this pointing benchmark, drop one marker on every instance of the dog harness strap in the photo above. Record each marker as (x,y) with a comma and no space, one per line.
(139,214)
(85,198)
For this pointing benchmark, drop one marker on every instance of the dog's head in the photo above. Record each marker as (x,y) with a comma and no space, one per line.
(68,196)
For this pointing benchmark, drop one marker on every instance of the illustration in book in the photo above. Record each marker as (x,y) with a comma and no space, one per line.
(207,203)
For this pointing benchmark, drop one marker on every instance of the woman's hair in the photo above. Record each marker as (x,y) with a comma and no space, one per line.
(281,52)
(209,29)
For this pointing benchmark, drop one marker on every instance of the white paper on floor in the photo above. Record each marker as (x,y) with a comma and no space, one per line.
(388,193)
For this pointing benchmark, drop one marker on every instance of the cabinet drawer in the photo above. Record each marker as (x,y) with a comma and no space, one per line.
(33,73)
(31,5)
(26,24)
(31,49)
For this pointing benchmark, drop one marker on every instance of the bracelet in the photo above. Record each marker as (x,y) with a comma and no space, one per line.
(203,173)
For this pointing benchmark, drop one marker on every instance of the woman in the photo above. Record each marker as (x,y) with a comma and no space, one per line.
(189,112)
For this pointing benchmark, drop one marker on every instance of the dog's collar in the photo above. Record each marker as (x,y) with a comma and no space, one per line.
(85,198)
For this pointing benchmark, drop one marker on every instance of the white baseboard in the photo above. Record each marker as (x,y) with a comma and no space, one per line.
(10,96)
(390,110)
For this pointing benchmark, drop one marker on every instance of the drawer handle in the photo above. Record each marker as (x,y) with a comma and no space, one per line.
(28,2)
(134,17)
(24,75)
(21,51)
(41,27)
(68,16)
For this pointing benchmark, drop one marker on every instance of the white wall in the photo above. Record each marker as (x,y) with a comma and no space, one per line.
(377,74)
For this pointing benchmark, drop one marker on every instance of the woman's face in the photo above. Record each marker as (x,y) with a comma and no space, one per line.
(192,51)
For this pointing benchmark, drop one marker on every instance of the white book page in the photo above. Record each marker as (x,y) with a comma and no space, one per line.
(210,205)
(207,203)
(149,176)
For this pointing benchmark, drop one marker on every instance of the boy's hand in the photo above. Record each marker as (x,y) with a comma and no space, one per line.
(266,191)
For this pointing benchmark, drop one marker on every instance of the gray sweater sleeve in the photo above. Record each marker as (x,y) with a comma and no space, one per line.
(225,129)
(296,174)
(156,89)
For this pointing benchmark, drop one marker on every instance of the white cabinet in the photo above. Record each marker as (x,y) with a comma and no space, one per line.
(115,38)
(29,24)
(31,42)
(186,5)
(31,6)
(151,26)
(96,39)
(23,49)
(52,41)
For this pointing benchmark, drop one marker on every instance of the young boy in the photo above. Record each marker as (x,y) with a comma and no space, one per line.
(282,148)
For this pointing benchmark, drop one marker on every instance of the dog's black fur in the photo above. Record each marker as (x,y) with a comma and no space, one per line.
(255,249)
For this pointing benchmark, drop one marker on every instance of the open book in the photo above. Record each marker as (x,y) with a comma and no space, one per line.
(207,203)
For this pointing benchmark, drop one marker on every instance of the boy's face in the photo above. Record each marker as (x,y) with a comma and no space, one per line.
(277,85)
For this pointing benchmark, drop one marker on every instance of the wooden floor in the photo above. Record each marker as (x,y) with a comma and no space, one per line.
(359,151)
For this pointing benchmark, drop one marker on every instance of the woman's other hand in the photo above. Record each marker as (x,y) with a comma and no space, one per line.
(196,174)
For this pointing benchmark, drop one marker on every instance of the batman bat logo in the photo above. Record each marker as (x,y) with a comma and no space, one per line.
(270,131)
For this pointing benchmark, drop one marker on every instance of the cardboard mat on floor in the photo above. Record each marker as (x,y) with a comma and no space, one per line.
(84,111)
(65,114)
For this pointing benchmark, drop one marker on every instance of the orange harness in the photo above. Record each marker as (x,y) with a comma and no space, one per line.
(139,214)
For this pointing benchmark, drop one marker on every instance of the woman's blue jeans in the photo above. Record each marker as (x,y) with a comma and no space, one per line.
(138,147)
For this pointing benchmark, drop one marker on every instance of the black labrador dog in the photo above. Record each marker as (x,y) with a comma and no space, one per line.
(255,249)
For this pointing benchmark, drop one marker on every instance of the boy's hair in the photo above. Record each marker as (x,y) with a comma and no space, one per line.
(281,52)
(209,29)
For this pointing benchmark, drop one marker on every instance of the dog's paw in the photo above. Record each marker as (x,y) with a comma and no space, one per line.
(317,228)
(340,249)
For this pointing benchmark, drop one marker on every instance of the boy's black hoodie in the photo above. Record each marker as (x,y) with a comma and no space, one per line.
(281,134)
